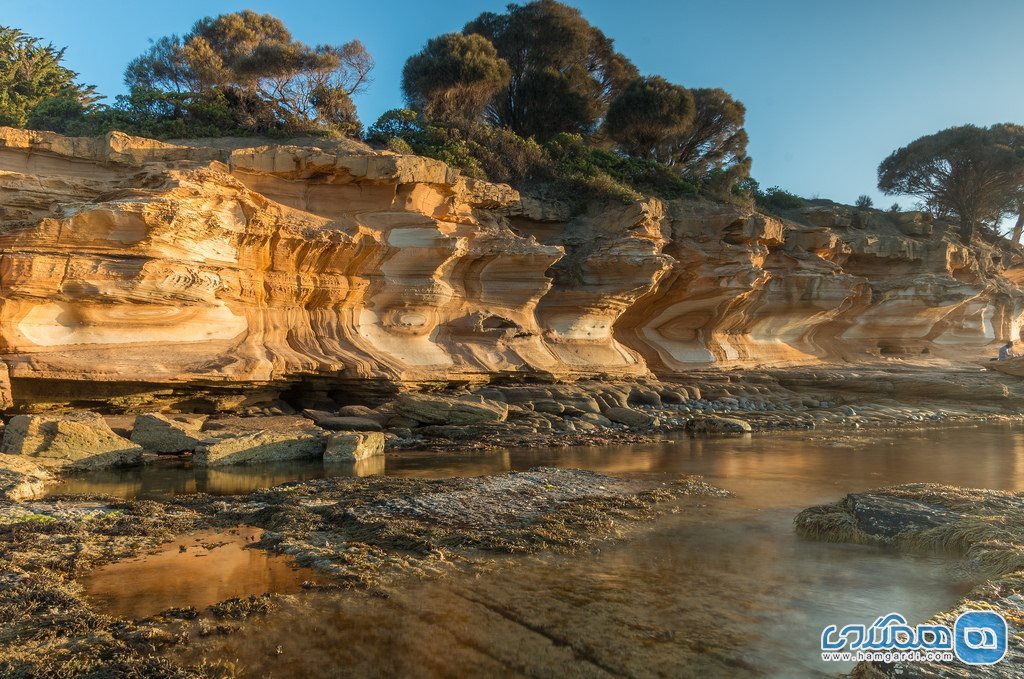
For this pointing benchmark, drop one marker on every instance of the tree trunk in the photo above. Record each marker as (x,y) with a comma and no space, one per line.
(1018,228)
(966,230)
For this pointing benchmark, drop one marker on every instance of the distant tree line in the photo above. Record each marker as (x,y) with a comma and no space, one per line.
(535,94)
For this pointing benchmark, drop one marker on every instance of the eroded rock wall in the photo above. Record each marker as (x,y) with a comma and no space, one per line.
(126,261)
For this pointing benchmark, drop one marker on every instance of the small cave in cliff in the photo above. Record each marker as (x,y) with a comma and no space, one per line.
(905,348)
(320,392)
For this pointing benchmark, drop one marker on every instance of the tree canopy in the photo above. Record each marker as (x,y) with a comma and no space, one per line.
(540,71)
(972,173)
(31,72)
(648,112)
(266,79)
(698,133)
(454,77)
(716,140)
(564,71)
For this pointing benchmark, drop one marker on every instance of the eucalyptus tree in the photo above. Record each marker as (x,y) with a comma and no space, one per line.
(969,172)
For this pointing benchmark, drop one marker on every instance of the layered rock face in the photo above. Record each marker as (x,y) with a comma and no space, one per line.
(133,270)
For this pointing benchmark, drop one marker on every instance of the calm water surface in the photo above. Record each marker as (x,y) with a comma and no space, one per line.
(198,569)
(724,588)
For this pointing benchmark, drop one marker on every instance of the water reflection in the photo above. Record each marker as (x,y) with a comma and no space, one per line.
(198,569)
(166,478)
(723,589)
(783,470)
(714,592)
(778,470)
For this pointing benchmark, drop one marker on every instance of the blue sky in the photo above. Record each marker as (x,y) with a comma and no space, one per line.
(830,87)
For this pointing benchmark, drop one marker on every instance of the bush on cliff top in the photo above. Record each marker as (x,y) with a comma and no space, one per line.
(567,163)
(266,80)
(564,70)
(772,199)
(973,173)
(31,73)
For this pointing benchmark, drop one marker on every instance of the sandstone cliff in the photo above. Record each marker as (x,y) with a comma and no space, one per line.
(133,270)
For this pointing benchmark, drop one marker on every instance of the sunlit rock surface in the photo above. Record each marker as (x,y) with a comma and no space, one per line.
(130,266)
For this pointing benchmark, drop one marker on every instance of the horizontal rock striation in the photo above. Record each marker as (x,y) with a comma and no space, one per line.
(134,272)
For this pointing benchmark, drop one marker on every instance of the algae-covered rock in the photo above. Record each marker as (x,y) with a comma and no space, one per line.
(630,417)
(714,424)
(430,409)
(354,446)
(81,440)
(984,528)
(260,446)
(168,433)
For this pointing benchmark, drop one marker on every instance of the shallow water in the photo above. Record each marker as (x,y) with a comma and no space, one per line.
(724,588)
(197,569)
(794,469)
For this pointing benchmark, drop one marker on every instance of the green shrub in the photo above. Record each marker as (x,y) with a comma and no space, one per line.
(403,131)
(58,114)
(612,174)
(32,73)
(777,199)
(397,123)
(567,161)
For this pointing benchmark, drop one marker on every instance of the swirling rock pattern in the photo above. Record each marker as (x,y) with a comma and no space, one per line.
(130,264)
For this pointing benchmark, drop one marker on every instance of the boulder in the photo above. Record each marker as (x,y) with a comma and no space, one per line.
(673,396)
(888,516)
(21,478)
(630,417)
(232,424)
(350,424)
(713,424)
(644,397)
(399,422)
(431,409)
(317,415)
(81,440)
(356,411)
(596,419)
(583,403)
(347,446)
(548,406)
(260,446)
(168,433)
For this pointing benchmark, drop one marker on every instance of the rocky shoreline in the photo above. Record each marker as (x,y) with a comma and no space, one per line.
(39,448)
(985,528)
(364,532)
(356,532)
